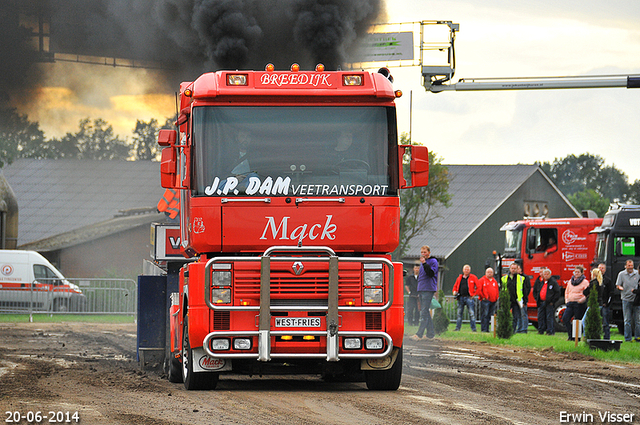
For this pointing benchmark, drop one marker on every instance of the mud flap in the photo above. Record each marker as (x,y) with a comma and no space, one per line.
(202,362)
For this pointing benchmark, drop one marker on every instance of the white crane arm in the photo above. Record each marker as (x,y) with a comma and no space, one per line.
(534,83)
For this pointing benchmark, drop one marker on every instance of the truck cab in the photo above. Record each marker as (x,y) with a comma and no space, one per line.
(559,244)
(618,240)
(289,205)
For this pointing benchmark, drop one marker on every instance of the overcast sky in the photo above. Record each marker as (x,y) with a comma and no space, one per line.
(520,39)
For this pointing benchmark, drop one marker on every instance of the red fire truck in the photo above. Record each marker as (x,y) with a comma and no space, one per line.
(289,202)
(557,243)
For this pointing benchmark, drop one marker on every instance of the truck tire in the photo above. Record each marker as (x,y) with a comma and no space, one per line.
(385,380)
(175,370)
(557,315)
(194,380)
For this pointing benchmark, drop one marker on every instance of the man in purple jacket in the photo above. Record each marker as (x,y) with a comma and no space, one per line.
(427,286)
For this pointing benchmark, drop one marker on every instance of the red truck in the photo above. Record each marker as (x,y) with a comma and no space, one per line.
(557,243)
(289,204)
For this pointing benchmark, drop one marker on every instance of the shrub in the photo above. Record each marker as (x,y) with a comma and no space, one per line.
(440,319)
(505,318)
(593,318)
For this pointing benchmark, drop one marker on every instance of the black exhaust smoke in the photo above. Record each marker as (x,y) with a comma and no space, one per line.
(183,37)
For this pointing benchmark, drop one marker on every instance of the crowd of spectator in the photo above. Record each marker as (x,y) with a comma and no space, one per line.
(548,294)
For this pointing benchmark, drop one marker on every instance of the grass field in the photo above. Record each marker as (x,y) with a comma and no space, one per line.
(629,351)
(53,318)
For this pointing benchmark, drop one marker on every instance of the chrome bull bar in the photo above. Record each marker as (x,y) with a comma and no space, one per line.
(364,334)
(265,308)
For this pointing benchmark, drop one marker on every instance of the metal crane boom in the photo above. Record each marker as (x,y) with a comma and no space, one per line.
(537,83)
(438,78)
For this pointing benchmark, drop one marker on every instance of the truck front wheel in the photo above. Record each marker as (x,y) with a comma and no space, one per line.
(557,315)
(194,380)
(385,380)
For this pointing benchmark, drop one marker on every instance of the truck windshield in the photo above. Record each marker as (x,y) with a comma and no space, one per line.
(294,151)
(513,243)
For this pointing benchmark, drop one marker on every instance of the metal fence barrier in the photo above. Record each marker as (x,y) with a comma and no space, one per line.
(71,296)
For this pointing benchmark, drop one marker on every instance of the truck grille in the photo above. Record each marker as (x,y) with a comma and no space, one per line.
(221,320)
(373,321)
(313,285)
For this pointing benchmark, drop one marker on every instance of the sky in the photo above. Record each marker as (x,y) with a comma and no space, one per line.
(528,39)
(496,39)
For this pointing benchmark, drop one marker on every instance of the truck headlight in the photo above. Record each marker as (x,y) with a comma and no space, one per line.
(372,295)
(242,344)
(352,343)
(373,344)
(220,344)
(221,295)
(221,278)
(372,278)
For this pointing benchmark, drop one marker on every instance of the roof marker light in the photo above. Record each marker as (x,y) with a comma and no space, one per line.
(237,80)
(270,67)
(398,93)
(319,67)
(188,92)
(352,80)
(295,67)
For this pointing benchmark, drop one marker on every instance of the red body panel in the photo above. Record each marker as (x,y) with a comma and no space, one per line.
(350,226)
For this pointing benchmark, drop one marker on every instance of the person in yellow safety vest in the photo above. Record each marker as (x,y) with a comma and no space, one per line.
(170,203)
(516,286)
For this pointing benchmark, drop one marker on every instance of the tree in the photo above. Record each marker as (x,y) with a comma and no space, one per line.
(576,176)
(590,200)
(19,137)
(634,192)
(505,318)
(593,318)
(94,140)
(574,173)
(420,206)
(145,140)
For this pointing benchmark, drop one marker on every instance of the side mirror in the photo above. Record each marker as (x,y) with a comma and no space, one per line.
(168,168)
(418,166)
(167,137)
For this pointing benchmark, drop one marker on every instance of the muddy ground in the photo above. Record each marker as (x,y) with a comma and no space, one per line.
(91,369)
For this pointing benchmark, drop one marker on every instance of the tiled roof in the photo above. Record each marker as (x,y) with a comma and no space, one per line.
(58,196)
(476,191)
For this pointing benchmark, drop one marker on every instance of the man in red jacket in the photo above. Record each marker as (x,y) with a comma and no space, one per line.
(465,290)
(488,293)
(546,292)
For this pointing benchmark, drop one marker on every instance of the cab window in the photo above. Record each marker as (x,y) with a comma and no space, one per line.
(542,240)
(626,247)
(44,274)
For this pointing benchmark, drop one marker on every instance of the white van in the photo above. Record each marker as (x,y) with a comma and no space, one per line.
(29,281)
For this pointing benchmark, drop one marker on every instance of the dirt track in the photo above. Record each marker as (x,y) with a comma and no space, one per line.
(91,369)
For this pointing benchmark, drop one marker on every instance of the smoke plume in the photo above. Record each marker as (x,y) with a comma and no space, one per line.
(181,38)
